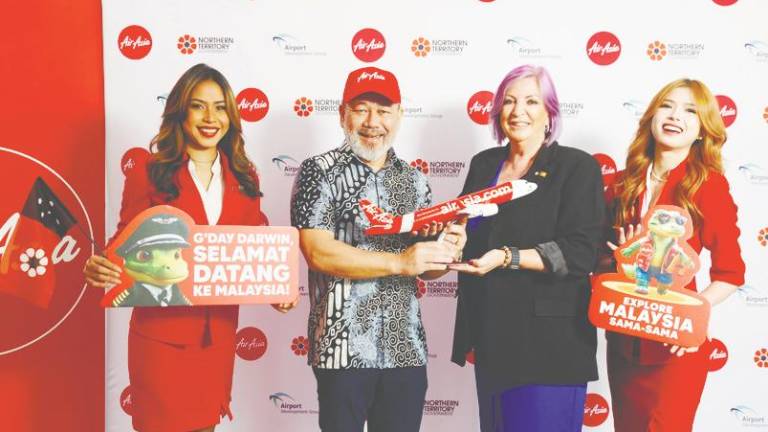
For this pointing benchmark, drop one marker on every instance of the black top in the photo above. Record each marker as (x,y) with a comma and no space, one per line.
(531,327)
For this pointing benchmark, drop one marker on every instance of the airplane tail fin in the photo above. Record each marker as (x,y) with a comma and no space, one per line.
(381,221)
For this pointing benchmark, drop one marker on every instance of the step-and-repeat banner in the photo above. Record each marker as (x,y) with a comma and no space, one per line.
(287,62)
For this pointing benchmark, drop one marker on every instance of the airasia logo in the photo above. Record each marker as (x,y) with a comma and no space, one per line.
(728,109)
(603,48)
(134,42)
(250,343)
(368,45)
(45,236)
(718,357)
(725,2)
(595,410)
(607,168)
(252,104)
(126,401)
(479,107)
(134,159)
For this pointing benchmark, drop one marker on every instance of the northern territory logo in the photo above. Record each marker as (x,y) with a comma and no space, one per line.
(190,44)
(439,168)
(440,407)
(658,50)
(421,47)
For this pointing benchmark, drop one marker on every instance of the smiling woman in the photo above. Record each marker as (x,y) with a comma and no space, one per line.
(181,359)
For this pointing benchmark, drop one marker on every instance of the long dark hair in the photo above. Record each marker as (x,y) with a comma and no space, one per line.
(168,146)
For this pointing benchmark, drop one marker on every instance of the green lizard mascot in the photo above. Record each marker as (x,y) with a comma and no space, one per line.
(660,254)
(154,261)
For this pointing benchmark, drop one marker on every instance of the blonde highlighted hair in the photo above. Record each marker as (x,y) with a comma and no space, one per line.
(704,155)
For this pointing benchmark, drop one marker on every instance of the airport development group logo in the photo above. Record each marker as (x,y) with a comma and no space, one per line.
(291,45)
(748,417)
(753,173)
(188,44)
(479,107)
(250,343)
(728,110)
(525,48)
(368,45)
(303,107)
(595,410)
(288,405)
(253,104)
(753,296)
(288,165)
(603,48)
(134,42)
(758,49)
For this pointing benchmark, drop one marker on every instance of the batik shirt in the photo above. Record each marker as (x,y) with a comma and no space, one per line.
(363,323)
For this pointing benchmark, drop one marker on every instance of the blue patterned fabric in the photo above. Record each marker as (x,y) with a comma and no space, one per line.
(371,323)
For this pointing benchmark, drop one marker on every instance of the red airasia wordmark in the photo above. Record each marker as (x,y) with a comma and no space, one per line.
(728,110)
(134,42)
(479,107)
(368,45)
(603,48)
(595,410)
(253,104)
(250,343)
(607,167)
(718,357)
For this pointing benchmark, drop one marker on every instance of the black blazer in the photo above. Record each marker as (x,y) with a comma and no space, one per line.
(531,327)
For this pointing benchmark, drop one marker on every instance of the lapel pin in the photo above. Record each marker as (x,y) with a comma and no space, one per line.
(541,174)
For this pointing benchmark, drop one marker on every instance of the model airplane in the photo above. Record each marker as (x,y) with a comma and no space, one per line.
(481,203)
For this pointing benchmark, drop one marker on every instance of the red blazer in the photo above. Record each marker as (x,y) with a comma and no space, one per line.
(717,231)
(180,324)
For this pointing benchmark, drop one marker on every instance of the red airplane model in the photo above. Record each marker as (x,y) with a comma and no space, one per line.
(481,203)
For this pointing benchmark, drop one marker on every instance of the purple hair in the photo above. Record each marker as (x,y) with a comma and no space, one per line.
(548,94)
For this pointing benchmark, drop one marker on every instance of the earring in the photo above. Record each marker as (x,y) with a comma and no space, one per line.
(546,129)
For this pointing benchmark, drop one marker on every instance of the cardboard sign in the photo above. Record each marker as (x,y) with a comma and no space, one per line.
(167,260)
(647,297)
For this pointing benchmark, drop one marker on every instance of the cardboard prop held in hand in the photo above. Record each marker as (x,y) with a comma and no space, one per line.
(167,260)
(647,298)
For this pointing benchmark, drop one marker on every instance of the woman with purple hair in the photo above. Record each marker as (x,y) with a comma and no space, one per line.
(524,292)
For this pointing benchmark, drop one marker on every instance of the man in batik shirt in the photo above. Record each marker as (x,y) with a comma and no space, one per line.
(367,344)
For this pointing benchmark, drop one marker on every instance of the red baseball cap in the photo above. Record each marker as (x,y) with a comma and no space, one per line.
(371,80)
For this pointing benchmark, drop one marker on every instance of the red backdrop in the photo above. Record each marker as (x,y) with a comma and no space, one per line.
(52,110)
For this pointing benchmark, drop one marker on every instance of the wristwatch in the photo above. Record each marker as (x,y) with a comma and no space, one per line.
(514,262)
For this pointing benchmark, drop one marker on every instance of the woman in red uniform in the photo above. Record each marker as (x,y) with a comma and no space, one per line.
(180,359)
(674,159)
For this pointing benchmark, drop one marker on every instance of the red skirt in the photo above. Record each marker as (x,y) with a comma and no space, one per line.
(658,397)
(179,388)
